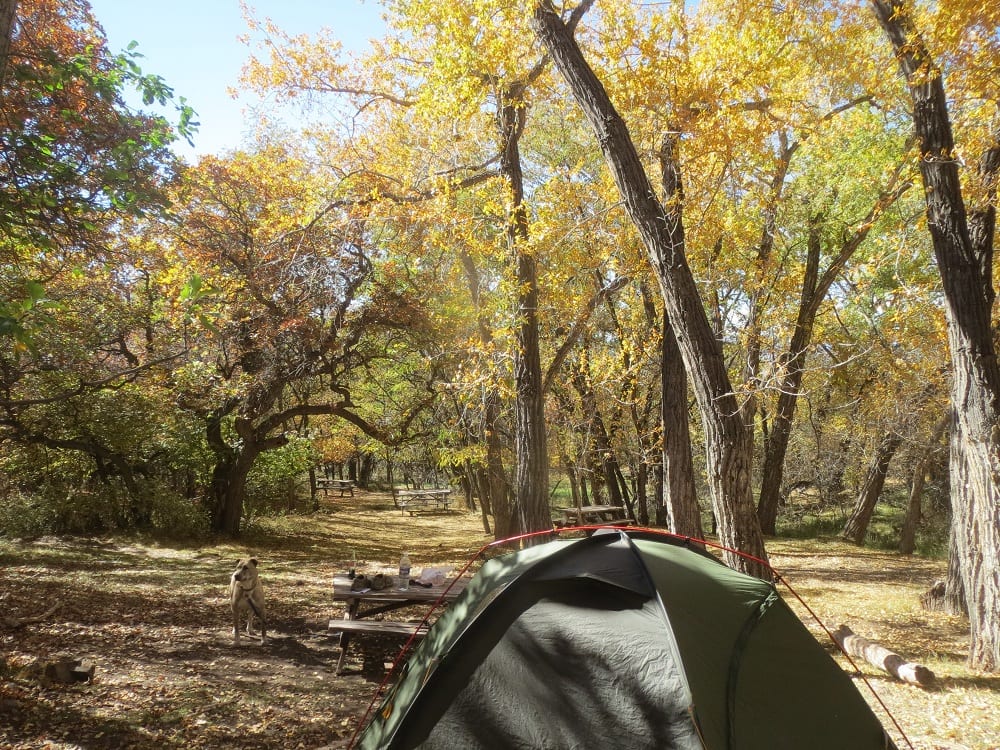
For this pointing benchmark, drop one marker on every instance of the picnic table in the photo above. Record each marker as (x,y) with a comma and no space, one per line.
(415,500)
(363,605)
(590,515)
(341,485)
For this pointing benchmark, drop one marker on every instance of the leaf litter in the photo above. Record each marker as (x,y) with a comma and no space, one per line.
(153,617)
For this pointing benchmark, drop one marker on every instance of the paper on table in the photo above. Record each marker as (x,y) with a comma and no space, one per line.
(434,576)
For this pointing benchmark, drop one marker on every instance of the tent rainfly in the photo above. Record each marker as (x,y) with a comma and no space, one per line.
(621,640)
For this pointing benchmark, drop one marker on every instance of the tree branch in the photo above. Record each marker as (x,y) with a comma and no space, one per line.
(577,329)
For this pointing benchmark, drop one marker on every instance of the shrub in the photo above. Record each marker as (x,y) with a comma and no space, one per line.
(273,483)
(24,516)
(177,517)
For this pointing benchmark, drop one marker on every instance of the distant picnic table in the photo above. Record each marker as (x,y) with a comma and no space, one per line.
(616,515)
(413,501)
(343,486)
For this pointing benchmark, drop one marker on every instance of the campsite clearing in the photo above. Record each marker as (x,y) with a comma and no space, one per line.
(153,619)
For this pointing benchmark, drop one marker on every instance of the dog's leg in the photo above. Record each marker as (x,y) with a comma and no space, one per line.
(234,604)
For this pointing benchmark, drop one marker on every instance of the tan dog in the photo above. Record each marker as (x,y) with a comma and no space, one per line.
(246,598)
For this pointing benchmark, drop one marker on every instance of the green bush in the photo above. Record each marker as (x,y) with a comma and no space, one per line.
(177,517)
(932,536)
(24,516)
(56,508)
(274,482)
(811,525)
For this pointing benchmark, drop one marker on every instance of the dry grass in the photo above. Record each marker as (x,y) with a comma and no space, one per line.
(877,595)
(153,618)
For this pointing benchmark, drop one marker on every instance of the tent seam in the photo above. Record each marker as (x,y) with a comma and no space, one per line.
(749,625)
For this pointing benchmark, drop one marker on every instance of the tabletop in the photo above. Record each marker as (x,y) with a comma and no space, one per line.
(595,511)
(376,601)
(430,492)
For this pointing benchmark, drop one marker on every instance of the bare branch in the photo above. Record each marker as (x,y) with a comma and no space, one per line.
(577,329)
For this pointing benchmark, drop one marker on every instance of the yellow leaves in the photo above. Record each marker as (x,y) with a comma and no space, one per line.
(337,441)
(291,64)
(470,39)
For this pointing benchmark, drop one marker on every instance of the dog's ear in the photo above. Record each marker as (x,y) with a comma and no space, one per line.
(254,561)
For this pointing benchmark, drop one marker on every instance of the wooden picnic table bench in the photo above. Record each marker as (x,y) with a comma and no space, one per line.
(415,500)
(372,627)
(341,485)
(364,604)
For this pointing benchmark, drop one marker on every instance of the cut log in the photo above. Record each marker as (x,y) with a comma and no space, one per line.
(62,669)
(69,670)
(933,598)
(883,658)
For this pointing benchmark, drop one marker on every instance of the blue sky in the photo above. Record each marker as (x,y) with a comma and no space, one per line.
(194,46)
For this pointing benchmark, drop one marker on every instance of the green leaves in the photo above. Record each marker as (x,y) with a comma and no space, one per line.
(154,90)
(21,319)
(193,294)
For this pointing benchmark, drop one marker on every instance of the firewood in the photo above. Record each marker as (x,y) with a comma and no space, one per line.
(933,598)
(61,669)
(12,623)
(883,658)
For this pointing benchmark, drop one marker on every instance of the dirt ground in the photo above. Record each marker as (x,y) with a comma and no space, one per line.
(152,618)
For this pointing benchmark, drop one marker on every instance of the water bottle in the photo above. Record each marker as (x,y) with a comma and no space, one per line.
(404,572)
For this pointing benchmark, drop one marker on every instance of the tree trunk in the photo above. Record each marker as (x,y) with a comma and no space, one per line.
(570,470)
(680,498)
(954,588)
(964,260)
(225,459)
(729,439)
(857,524)
(641,494)
(229,482)
(776,442)
(814,290)
(495,495)
(757,291)
(659,493)
(623,490)
(948,595)
(232,467)
(366,469)
(465,481)
(531,477)
(908,533)
(8,19)
(480,477)
(655,455)
(602,441)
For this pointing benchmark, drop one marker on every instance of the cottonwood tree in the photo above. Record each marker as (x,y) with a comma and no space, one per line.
(779,172)
(961,216)
(450,88)
(728,437)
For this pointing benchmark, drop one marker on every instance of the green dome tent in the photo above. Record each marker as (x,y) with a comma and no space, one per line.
(621,640)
